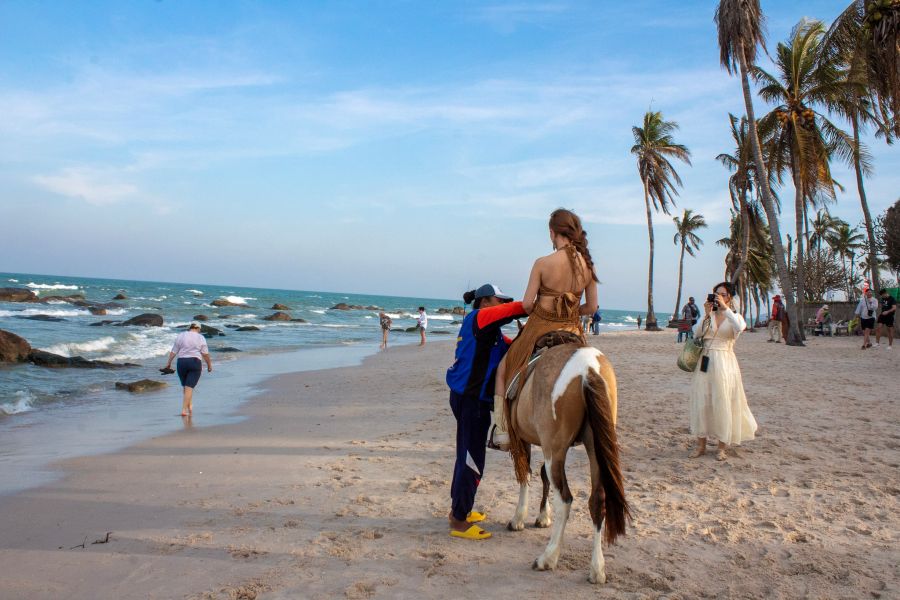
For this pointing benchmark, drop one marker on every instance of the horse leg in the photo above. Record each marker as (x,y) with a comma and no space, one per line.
(597,506)
(518,520)
(543,519)
(562,503)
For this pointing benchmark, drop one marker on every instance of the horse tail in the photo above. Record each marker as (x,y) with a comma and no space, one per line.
(611,501)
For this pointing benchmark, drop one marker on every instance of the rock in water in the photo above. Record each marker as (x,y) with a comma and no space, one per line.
(8,294)
(48,359)
(248,328)
(145,320)
(279,316)
(224,302)
(12,347)
(208,331)
(120,297)
(225,349)
(201,318)
(143,385)
(277,306)
(41,318)
(96,310)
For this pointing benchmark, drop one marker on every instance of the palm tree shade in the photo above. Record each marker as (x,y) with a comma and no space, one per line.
(740,25)
(653,147)
(690,242)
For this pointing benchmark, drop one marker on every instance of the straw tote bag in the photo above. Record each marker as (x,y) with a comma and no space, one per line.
(692,349)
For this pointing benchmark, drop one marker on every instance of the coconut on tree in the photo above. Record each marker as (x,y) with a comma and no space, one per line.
(653,147)
(740,25)
(686,236)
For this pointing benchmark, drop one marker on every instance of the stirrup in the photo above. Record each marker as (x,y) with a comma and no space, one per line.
(494,445)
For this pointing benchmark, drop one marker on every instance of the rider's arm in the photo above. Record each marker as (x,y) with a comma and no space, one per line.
(531,291)
(498,316)
(590,300)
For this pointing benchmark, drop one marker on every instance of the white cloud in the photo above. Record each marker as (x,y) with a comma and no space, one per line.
(95,187)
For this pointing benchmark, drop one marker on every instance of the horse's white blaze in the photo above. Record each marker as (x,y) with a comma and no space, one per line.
(518,522)
(598,563)
(578,365)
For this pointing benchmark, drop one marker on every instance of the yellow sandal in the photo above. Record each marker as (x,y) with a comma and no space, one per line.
(472,533)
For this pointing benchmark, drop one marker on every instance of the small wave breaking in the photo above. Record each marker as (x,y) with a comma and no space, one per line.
(49,286)
(21,402)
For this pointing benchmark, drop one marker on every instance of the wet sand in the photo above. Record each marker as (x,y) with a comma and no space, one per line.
(337,486)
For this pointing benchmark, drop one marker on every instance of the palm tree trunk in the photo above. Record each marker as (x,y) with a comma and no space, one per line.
(680,273)
(745,236)
(844,266)
(799,207)
(870,230)
(784,278)
(650,323)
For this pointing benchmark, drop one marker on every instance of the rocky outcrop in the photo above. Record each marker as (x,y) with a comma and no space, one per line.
(142,385)
(8,294)
(279,316)
(49,318)
(224,302)
(102,323)
(277,306)
(71,299)
(200,318)
(96,310)
(47,359)
(456,310)
(145,320)
(121,297)
(226,349)
(248,328)
(298,320)
(12,347)
(345,306)
(209,332)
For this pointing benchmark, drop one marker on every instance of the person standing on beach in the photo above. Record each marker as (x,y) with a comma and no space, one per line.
(190,346)
(718,403)
(639,321)
(595,322)
(480,346)
(886,318)
(422,324)
(866,311)
(689,315)
(386,323)
(775,319)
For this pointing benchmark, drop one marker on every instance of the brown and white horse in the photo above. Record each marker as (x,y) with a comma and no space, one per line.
(570,396)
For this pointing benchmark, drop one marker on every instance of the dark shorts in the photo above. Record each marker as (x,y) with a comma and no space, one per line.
(189,370)
(887,320)
(867,323)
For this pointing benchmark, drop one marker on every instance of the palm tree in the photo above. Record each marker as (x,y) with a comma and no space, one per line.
(803,140)
(867,34)
(690,241)
(845,241)
(822,226)
(740,183)
(757,274)
(653,145)
(740,25)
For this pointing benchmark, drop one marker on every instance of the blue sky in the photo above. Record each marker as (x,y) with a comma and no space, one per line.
(405,148)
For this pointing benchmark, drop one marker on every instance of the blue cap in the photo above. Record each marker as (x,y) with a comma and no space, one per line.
(488,290)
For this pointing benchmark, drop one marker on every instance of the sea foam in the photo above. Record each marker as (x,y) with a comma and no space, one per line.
(80,348)
(43,311)
(21,402)
(45,286)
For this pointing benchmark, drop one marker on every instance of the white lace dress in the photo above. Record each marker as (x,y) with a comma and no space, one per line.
(718,405)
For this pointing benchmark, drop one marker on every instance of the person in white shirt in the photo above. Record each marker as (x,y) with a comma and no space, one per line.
(189,348)
(422,322)
(866,311)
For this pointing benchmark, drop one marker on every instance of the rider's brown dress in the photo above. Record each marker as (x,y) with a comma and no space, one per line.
(563,317)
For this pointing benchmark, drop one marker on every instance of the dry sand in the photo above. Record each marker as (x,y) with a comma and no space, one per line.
(337,486)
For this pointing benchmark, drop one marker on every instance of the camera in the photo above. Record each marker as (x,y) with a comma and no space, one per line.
(715,302)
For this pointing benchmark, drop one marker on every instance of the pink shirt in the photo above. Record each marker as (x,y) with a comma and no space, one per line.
(190,344)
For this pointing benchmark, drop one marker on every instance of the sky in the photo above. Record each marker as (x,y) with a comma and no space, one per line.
(385,147)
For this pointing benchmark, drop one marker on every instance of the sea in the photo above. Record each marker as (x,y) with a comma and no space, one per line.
(49,414)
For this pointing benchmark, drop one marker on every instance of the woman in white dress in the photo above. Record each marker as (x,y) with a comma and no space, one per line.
(718,404)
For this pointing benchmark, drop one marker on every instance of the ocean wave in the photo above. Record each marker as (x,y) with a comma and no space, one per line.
(630,319)
(237,299)
(11,280)
(116,311)
(318,312)
(337,325)
(46,286)
(80,348)
(141,346)
(22,402)
(195,292)
(441,317)
(43,311)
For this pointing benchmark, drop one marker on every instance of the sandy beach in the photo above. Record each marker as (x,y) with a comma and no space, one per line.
(336,485)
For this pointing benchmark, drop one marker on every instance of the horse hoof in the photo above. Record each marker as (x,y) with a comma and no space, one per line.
(595,579)
(538,565)
(541,524)
(515,526)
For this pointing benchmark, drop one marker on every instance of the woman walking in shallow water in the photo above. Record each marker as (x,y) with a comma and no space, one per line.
(189,348)
(718,404)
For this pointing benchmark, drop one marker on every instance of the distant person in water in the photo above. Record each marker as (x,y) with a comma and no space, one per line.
(189,348)
(422,324)
(385,328)
(639,321)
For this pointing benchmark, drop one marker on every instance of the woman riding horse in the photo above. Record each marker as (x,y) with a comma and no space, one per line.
(551,300)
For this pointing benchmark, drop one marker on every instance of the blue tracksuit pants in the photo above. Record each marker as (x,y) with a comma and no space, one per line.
(473,420)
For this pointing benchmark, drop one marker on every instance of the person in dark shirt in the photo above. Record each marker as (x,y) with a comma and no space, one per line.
(886,318)
(479,348)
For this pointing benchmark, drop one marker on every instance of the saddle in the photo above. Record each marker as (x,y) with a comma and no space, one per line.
(548,340)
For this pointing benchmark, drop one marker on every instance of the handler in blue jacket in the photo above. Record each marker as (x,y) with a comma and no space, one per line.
(479,348)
